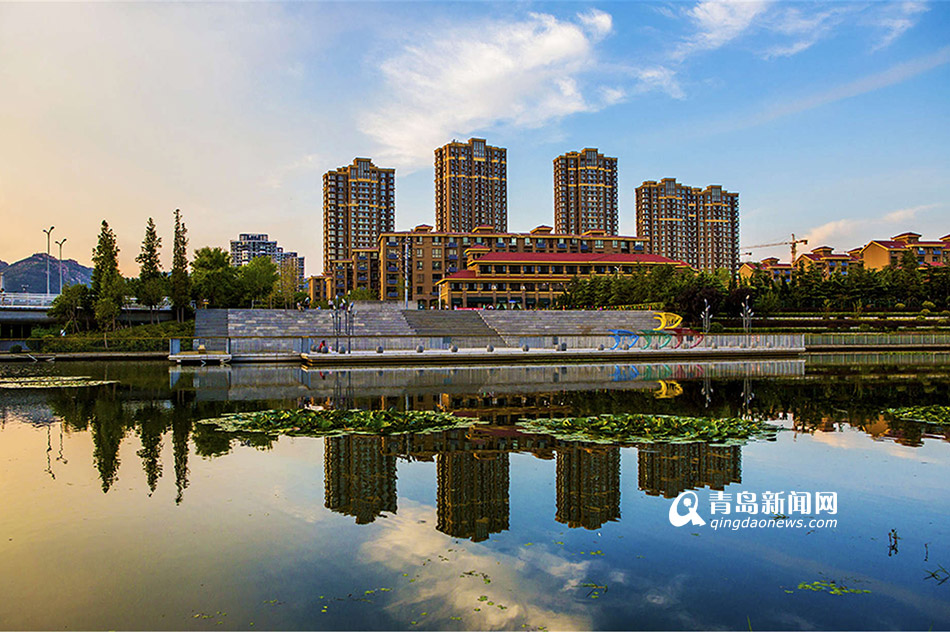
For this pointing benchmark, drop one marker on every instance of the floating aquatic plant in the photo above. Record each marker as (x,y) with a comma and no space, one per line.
(928,414)
(49,381)
(307,422)
(831,587)
(641,428)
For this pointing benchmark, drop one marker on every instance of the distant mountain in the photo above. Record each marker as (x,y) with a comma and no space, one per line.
(3,264)
(29,275)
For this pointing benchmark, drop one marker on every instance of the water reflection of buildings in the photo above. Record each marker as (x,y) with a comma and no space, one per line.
(666,469)
(360,480)
(588,485)
(472,472)
(472,494)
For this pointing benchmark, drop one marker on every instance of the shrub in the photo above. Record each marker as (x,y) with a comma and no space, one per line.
(900,307)
(864,327)
(16,349)
(928,305)
(716,328)
(924,312)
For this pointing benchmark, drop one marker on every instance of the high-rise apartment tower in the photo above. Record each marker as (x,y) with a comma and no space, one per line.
(698,226)
(359,203)
(471,186)
(585,192)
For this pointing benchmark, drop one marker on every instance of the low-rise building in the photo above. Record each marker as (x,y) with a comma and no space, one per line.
(409,264)
(529,280)
(881,253)
(826,261)
(316,289)
(778,271)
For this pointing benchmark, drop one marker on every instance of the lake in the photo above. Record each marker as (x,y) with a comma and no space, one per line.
(119,511)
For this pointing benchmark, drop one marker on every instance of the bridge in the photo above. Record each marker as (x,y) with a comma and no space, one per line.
(21,311)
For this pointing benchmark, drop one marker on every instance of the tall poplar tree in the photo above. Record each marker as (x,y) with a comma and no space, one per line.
(180,283)
(108,286)
(150,286)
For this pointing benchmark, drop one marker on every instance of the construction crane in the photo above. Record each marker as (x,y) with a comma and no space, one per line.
(793,243)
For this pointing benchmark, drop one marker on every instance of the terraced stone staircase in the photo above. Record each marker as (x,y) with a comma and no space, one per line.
(511,324)
(267,330)
(431,323)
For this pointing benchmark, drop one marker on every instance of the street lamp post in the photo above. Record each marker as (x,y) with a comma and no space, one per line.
(60,244)
(48,233)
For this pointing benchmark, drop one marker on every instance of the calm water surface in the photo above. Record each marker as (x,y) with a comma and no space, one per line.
(117,510)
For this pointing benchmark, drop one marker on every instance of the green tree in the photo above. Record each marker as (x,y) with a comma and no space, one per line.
(108,307)
(362,294)
(105,259)
(150,286)
(73,308)
(256,281)
(213,278)
(180,290)
(287,283)
(108,286)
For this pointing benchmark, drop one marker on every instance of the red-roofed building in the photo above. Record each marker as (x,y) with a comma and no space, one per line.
(528,280)
(777,270)
(827,261)
(431,255)
(881,253)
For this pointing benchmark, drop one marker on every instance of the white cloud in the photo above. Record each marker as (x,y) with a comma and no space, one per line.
(659,78)
(718,22)
(791,29)
(866,229)
(525,73)
(805,29)
(408,542)
(896,19)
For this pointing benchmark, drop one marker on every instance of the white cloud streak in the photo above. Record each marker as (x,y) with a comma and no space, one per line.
(853,230)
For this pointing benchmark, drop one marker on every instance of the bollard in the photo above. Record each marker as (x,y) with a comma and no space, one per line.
(420,349)
(489,348)
(525,348)
(563,346)
(454,349)
(379,349)
(600,348)
(626,347)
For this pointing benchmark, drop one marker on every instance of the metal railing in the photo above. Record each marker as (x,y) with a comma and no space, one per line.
(295,345)
(878,339)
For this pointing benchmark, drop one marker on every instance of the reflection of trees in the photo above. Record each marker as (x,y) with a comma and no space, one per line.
(108,429)
(152,425)
(181,431)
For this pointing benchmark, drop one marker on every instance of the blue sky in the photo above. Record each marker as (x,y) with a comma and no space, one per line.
(829,119)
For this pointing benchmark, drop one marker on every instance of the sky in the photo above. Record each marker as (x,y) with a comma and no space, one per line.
(831,120)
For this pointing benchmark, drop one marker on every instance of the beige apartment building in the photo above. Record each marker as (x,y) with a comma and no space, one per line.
(359,204)
(585,192)
(698,226)
(471,186)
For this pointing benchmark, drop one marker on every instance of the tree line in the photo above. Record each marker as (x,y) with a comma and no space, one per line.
(901,288)
(208,280)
